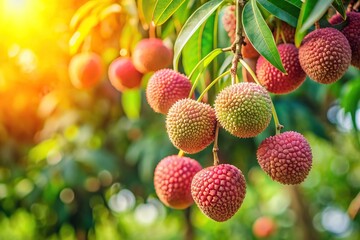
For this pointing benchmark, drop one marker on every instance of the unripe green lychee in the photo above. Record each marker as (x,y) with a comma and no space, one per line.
(219,191)
(191,125)
(352,33)
(85,70)
(123,75)
(285,157)
(273,79)
(229,22)
(264,227)
(165,87)
(172,180)
(243,109)
(151,55)
(325,55)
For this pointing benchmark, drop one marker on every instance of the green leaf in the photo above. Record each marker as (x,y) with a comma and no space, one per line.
(164,9)
(311,11)
(350,99)
(296,3)
(198,46)
(191,25)
(146,11)
(339,6)
(131,102)
(260,34)
(282,9)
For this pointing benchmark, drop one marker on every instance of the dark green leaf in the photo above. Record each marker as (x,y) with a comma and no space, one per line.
(165,9)
(282,9)
(351,98)
(311,11)
(260,35)
(296,3)
(131,102)
(193,24)
(339,6)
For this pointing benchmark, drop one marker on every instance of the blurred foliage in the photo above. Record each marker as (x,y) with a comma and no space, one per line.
(73,166)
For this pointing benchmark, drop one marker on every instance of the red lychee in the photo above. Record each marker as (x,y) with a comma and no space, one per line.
(264,227)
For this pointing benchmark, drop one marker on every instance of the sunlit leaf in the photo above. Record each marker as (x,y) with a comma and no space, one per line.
(165,9)
(311,11)
(260,34)
(113,8)
(191,25)
(131,102)
(282,9)
(83,31)
(146,10)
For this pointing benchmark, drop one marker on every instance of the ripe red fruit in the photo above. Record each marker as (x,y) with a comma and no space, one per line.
(164,88)
(285,157)
(352,32)
(123,75)
(151,55)
(273,79)
(219,191)
(172,180)
(325,55)
(85,70)
(264,227)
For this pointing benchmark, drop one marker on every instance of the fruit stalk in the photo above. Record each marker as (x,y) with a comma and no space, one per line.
(278,126)
(215,146)
(212,84)
(238,40)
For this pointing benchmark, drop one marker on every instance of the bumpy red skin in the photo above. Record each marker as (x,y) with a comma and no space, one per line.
(172,180)
(219,191)
(286,157)
(352,34)
(151,55)
(325,55)
(229,22)
(191,125)
(123,75)
(264,227)
(85,70)
(273,79)
(164,88)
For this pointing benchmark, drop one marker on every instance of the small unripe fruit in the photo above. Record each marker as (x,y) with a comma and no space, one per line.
(219,191)
(229,22)
(352,33)
(285,157)
(273,79)
(191,125)
(172,180)
(123,75)
(325,55)
(264,227)
(165,87)
(243,109)
(151,55)
(85,70)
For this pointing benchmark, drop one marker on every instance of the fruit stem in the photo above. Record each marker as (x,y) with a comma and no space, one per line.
(212,84)
(194,85)
(278,126)
(215,146)
(238,40)
(317,25)
(152,30)
(181,153)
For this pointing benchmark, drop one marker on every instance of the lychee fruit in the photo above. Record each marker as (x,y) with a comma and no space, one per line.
(191,125)
(229,22)
(325,55)
(165,87)
(172,180)
(264,227)
(151,55)
(273,79)
(85,70)
(243,109)
(219,191)
(352,32)
(288,32)
(285,157)
(123,75)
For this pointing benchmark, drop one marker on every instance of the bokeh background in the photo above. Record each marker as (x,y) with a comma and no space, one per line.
(74,166)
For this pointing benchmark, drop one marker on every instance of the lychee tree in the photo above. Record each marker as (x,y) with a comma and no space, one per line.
(227,58)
